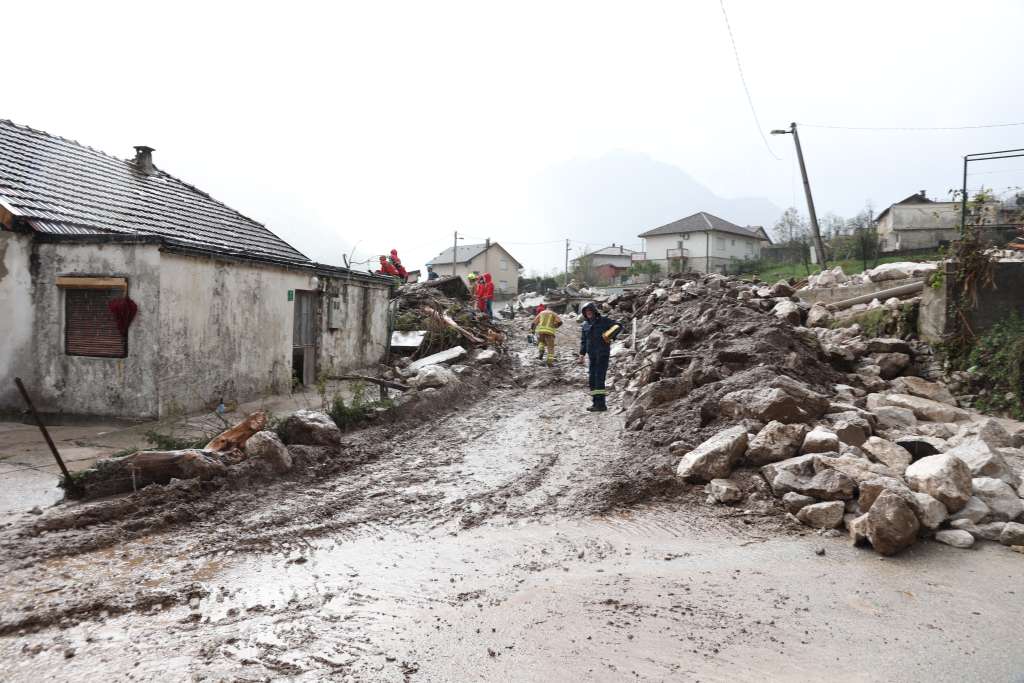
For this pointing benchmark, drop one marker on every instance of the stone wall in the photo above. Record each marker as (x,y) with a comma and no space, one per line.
(993,304)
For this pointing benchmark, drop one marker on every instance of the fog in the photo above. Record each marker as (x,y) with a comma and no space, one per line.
(357,127)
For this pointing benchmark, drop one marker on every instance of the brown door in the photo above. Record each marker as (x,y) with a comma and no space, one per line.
(304,338)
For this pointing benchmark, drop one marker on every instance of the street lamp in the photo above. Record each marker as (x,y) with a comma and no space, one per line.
(818,246)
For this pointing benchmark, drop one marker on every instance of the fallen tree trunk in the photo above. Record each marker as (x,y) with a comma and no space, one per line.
(236,436)
(880,295)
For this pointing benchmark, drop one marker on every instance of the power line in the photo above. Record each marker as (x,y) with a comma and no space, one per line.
(914,128)
(743,80)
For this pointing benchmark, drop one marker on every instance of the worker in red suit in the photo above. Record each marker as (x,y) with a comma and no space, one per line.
(488,295)
(397,263)
(386,268)
(478,294)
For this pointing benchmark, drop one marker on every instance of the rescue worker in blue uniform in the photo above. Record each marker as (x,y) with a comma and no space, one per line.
(595,345)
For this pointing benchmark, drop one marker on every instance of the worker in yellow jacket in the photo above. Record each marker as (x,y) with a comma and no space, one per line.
(545,324)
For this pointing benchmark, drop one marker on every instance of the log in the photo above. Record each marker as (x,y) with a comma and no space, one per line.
(235,437)
(374,380)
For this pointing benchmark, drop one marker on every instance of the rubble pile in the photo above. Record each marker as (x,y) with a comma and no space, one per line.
(890,273)
(837,428)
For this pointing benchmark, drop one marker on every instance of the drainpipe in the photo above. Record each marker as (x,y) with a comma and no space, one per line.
(707,252)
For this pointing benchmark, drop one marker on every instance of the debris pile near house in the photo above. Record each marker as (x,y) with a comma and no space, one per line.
(839,429)
(887,272)
(447,320)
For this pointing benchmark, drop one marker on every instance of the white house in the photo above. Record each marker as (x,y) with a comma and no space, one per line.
(608,264)
(918,223)
(703,243)
(489,257)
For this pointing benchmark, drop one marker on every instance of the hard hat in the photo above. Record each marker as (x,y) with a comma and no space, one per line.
(592,305)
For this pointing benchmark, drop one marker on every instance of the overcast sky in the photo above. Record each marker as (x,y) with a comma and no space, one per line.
(365,126)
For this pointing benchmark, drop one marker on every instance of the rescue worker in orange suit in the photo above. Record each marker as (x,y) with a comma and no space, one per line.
(397,263)
(488,295)
(386,268)
(545,324)
(595,344)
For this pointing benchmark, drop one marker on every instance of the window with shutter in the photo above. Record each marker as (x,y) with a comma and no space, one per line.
(89,326)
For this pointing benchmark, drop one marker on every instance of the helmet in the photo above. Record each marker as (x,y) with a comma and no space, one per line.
(591,305)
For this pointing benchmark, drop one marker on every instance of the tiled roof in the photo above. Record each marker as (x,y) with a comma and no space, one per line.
(60,186)
(465,254)
(701,222)
(615,250)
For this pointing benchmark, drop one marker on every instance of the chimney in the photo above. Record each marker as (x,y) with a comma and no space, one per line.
(487,243)
(923,195)
(144,159)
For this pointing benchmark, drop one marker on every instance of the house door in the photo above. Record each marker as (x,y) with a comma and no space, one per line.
(303,338)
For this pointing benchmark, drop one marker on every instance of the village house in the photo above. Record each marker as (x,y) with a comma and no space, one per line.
(605,266)
(917,223)
(489,257)
(703,243)
(127,292)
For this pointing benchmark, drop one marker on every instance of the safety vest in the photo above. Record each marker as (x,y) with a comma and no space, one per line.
(548,322)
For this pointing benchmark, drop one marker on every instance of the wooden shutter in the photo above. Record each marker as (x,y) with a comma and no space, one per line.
(89,326)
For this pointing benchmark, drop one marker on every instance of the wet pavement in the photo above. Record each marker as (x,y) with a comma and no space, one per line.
(467,547)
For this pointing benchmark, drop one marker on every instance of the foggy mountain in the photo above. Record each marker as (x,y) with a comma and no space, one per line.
(615,197)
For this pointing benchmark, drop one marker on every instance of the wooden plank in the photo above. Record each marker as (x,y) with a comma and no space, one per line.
(92,282)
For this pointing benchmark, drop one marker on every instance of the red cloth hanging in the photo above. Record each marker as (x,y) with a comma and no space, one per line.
(123,309)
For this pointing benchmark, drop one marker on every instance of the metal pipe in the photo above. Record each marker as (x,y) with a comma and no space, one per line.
(882,294)
(963,202)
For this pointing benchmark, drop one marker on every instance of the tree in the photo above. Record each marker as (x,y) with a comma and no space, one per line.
(791,226)
(648,268)
(832,225)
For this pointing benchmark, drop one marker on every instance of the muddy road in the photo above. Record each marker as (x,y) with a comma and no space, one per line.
(509,537)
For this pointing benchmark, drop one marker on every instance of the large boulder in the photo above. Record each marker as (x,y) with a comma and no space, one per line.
(819,316)
(1002,501)
(957,538)
(891,365)
(851,428)
(662,391)
(715,458)
(820,440)
(899,271)
(923,408)
(856,468)
(930,512)
(822,515)
(893,418)
(915,386)
(886,452)
(723,491)
(1012,534)
(984,461)
(793,501)
(311,428)
(887,345)
(943,477)
(891,525)
(776,441)
(788,311)
(763,404)
(433,377)
(269,448)
(975,511)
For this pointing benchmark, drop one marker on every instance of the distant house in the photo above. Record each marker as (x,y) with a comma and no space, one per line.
(703,243)
(917,223)
(607,265)
(489,257)
(127,292)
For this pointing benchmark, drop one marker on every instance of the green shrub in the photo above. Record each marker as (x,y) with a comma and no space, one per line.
(995,361)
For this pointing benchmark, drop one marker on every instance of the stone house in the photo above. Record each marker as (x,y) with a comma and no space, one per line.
(489,257)
(917,223)
(128,292)
(703,243)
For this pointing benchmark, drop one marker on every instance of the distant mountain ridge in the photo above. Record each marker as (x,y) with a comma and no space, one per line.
(621,194)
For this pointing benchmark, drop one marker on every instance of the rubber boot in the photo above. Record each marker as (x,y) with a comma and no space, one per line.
(599,405)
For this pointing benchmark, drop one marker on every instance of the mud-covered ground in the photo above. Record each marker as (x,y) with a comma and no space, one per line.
(509,535)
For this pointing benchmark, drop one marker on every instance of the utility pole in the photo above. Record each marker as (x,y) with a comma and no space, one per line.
(455,249)
(815,231)
(566,262)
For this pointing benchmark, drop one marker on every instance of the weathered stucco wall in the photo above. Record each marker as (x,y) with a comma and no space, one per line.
(993,303)
(16,317)
(360,340)
(85,385)
(225,331)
